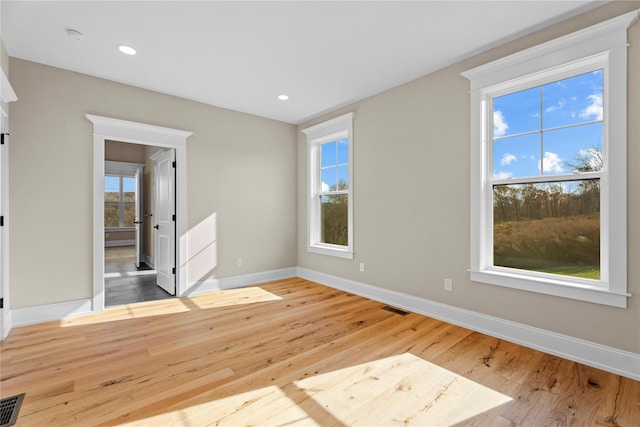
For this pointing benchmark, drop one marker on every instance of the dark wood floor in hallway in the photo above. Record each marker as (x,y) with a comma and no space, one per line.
(126,284)
(294,353)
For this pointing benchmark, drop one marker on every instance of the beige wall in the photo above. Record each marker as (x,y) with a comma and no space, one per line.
(113,236)
(241,171)
(123,152)
(412,192)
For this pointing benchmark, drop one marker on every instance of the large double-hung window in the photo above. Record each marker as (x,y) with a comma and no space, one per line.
(330,187)
(548,149)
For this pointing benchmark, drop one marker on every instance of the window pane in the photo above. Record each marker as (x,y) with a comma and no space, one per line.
(517,156)
(334,219)
(343,177)
(129,214)
(343,152)
(574,100)
(129,189)
(573,148)
(516,113)
(552,227)
(111,214)
(111,188)
(328,154)
(329,180)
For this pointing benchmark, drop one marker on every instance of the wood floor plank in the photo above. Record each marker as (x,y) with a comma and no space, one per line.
(293,352)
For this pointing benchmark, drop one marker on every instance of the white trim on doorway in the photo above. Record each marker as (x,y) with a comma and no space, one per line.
(105,128)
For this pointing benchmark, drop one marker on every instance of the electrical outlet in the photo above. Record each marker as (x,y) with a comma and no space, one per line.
(448,286)
(239,262)
(362,267)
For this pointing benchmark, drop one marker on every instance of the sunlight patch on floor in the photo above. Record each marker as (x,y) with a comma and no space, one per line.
(210,300)
(400,390)
(232,297)
(129,274)
(268,406)
(136,310)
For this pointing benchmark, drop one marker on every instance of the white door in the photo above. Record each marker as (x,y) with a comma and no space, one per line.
(139,216)
(164,219)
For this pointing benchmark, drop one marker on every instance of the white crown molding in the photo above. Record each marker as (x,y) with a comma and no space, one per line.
(126,131)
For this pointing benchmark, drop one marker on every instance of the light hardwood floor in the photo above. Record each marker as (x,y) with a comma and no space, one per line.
(294,353)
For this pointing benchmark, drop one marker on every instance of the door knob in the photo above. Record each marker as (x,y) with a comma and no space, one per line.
(156,227)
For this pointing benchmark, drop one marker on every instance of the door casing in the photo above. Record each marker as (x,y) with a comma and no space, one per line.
(106,128)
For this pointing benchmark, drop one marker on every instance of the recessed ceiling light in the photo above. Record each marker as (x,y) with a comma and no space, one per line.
(128,50)
(283,97)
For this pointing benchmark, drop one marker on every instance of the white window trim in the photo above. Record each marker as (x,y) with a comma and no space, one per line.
(337,128)
(606,41)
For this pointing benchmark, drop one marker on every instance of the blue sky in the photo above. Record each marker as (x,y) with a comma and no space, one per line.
(520,149)
(112,184)
(334,163)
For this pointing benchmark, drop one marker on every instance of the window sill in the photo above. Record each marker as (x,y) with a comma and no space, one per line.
(562,288)
(331,251)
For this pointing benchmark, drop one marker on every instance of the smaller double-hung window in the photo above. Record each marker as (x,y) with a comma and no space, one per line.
(330,187)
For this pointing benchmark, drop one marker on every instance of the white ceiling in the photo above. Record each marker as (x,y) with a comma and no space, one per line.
(242,55)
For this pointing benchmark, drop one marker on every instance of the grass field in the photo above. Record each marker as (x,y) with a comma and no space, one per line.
(587,272)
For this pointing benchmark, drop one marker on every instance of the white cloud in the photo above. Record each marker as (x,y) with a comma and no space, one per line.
(507,159)
(552,163)
(559,106)
(500,125)
(502,175)
(324,187)
(594,110)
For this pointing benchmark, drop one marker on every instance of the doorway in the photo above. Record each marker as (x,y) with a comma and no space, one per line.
(104,129)
(131,188)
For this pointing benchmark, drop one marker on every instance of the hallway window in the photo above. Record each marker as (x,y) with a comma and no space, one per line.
(119,201)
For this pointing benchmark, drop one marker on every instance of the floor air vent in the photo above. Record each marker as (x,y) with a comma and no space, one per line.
(395,310)
(9,409)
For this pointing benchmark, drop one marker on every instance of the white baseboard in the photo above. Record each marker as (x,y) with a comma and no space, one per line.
(596,355)
(58,311)
(48,312)
(6,322)
(242,281)
(112,243)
